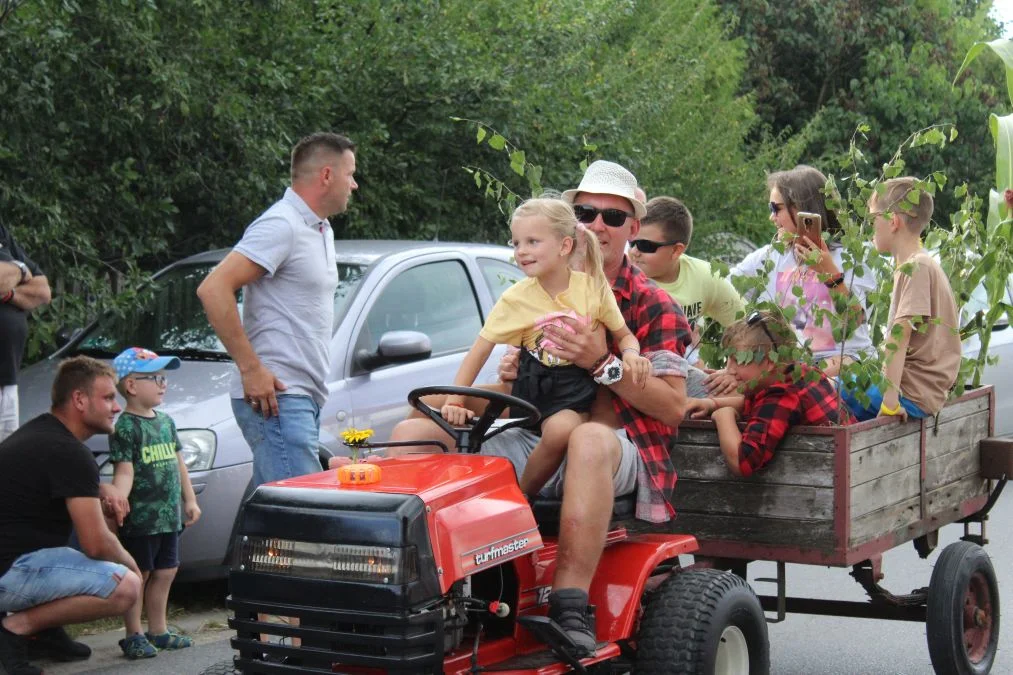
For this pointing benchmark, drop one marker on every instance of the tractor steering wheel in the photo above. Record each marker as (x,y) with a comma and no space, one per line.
(470,438)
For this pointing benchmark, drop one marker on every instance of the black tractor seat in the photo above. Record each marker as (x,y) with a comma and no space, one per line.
(547,511)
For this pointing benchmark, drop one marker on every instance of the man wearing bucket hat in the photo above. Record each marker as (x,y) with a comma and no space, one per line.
(624,448)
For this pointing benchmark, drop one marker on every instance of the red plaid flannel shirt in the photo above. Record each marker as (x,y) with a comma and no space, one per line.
(770,412)
(659,324)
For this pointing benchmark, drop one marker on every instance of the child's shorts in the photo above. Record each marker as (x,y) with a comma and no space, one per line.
(553,388)
(871,411)
(154,551)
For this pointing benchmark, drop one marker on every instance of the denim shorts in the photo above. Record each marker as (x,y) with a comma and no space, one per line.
(50,574)
(283,445)
(516,445)
(871,411)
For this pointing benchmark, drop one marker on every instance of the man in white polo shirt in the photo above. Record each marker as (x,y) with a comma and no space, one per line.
(285,265)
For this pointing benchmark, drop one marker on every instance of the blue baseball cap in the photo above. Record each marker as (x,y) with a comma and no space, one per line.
(141,360)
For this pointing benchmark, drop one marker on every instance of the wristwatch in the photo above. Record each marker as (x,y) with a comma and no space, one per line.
(24,270)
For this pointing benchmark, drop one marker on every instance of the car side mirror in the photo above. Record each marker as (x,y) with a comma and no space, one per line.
(396,346)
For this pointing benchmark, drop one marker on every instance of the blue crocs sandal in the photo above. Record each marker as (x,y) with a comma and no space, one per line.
(169,640)
(137,646)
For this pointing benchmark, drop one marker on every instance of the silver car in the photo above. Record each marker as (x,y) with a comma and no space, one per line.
(405,313)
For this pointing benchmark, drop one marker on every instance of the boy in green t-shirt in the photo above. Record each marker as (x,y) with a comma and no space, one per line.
(660,251)
(150,472)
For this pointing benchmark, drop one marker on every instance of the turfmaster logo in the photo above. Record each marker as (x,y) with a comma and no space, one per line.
(494,551)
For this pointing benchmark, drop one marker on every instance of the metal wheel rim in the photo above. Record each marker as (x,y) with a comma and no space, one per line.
(977,618)
(733,653)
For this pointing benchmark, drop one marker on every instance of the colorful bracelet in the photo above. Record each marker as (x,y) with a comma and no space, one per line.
(883,410)
(599,363)
(7,297)
(631,349)
(835,281)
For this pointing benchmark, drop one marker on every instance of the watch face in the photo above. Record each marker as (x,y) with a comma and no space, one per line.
(614,372)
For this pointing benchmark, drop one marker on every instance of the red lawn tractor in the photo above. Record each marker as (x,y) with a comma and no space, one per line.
(442,566)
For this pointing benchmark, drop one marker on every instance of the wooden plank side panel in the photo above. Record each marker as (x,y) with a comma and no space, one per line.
(885,458)
(738,497)
(940,504)
(749,529)
(795,440)
(863,438)
(889,489)
(789,467)
(956,434)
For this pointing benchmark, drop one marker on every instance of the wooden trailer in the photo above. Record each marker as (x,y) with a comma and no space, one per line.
(842,496)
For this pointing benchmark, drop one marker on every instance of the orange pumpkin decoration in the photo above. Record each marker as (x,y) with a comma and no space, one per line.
(359,474)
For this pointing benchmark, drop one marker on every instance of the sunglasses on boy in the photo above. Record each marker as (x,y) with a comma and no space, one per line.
(757,318)
(612,217)
(160,380)
(648,246)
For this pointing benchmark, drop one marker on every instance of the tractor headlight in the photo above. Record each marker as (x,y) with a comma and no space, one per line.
(198,448)
(370,564)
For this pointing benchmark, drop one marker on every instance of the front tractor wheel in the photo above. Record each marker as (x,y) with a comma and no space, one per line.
(962,614)
(703,621)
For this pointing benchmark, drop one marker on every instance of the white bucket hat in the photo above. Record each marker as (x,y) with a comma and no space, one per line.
(608,178)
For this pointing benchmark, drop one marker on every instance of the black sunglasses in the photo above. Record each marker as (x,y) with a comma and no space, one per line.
(757,318)
(648,246)
(775,208)
(157,379)
(612,217)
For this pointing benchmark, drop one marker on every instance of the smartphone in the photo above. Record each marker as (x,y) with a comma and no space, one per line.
(808,224)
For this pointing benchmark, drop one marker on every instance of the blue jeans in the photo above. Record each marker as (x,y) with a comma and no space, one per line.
(871,411)
(49,574)
(283,445)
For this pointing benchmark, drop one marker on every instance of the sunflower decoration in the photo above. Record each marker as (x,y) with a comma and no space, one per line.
(356,440)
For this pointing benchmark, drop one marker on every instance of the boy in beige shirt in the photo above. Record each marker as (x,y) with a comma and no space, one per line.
(923,344)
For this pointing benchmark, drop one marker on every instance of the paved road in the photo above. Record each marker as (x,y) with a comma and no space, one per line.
(801,645)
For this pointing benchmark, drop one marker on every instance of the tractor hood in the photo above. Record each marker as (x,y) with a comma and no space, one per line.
(475,513)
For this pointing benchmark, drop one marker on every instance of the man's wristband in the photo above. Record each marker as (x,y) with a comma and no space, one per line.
(7,297)
(883,410)
(599,363)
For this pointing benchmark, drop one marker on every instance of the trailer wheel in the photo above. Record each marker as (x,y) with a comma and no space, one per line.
(703,621)
(222,668)
(962,613)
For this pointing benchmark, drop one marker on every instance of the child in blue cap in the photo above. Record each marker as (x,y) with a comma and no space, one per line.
(150,472)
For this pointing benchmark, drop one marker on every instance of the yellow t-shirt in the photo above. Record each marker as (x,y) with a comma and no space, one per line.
(515,318)
(703,293)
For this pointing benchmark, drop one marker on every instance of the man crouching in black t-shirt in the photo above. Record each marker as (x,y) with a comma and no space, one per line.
(48,482)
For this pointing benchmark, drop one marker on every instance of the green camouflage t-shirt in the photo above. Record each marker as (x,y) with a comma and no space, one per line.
(150,444)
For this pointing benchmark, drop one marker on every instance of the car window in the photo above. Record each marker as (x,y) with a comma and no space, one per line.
(436,299)
(499,275)
(171,318)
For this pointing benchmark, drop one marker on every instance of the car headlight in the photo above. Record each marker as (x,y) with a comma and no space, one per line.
(372,564)
(198,448)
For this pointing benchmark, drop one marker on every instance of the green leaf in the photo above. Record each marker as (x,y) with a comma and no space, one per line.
(1003,49)
(481,134)
(497,142)
(1002,132)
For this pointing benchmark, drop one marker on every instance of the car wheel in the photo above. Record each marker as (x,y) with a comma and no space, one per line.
(703,621)
(962,613)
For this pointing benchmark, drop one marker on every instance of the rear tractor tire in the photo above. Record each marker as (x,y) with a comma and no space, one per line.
(962,613)
(221,668)
(703,622)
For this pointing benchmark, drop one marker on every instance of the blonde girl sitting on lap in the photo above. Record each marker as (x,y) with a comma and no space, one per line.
(563,263)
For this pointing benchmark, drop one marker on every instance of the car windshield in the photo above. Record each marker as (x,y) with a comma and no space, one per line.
(172,321)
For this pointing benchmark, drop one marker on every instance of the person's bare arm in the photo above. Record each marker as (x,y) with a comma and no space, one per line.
(896,355)
(191,510)
(729,437)
(10,277)
(123,481)
(218,295)
(97,542)
(31,294)
(453,409)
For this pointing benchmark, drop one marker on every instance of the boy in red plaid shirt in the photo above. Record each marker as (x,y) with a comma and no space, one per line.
(776,396)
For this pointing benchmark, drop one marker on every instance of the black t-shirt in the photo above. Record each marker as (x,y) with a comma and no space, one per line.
(41,465)
(13,321)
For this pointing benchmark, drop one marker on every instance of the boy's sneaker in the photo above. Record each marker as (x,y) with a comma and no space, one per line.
(568,607)
(14,654)
(56,644)
(137,646)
